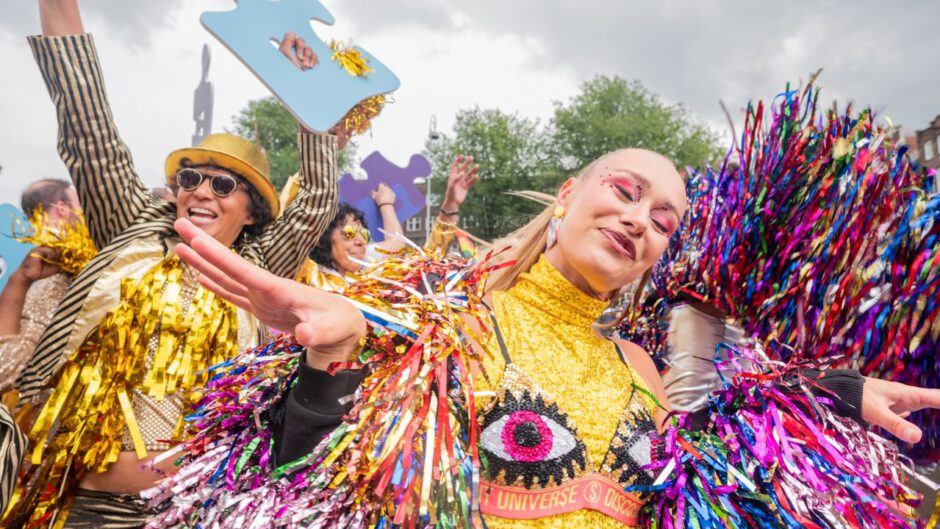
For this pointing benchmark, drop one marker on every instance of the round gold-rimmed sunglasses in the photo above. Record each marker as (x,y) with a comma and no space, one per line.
(223,185)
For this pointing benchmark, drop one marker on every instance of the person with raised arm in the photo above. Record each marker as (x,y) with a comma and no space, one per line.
(134,334)
(347,244)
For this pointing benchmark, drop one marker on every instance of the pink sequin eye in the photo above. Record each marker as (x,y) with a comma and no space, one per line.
(531,439)
(528,437)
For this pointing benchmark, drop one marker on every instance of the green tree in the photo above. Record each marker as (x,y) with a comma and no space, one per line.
(267,123)
(512,153)
(611,113)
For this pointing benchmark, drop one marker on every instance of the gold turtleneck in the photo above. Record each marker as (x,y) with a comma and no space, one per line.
(547,324)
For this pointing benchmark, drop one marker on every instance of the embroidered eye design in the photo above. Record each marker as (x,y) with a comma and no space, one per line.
(631,449)
(525,439)
(529,437)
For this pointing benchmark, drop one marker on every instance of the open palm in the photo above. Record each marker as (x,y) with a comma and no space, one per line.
(320,320)
(462,175)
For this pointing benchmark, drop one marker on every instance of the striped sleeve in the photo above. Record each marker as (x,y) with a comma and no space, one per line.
(100,164)
(12,448)
(287,241)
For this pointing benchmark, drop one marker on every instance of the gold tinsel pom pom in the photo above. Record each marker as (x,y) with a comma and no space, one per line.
(350,59)
(72,240)
(358,120)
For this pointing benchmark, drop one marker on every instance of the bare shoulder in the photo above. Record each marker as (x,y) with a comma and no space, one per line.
(642,362)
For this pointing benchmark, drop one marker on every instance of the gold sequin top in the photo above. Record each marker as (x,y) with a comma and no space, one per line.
(579,377)
(42,300)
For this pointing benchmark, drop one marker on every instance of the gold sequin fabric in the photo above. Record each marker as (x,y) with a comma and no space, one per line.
(547,325)
(42,300)
(317,276)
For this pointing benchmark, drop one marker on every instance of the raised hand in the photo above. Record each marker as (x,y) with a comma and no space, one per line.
(462,175)
(39,264)
(383,195)
(886,404)
(322,321)
(298,52)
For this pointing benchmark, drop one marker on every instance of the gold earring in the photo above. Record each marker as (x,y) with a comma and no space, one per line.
(559,212)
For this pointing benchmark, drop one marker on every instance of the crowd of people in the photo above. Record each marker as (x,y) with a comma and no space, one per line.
(555,424)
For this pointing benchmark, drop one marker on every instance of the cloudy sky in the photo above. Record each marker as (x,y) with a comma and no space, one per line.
(518,56)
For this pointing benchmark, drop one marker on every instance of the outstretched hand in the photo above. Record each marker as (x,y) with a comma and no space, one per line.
(887,404)
(462,175)
(330,328)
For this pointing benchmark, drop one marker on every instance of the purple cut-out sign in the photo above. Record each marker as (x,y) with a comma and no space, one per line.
(409,200)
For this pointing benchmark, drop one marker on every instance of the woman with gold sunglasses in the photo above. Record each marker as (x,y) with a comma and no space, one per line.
(347,244)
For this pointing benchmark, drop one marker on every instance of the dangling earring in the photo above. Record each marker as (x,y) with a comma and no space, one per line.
(553,227)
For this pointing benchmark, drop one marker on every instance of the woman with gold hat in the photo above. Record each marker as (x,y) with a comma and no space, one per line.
(136,332)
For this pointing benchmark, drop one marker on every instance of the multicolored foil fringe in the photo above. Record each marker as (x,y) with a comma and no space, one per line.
(816,232)
(70,240)
(406,455)
(771,456)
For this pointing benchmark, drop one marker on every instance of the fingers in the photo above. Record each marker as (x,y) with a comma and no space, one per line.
(230,269)
(209,271)
(928,398)
(287,49)
(44,252)
(312,59)
(472,175)
(298,52)
(302,53)
(467,161)
(239,301)
(189,231)
(894,423)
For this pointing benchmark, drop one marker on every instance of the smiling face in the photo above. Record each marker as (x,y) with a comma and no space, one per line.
(344,248)
(221,217)
(618,219)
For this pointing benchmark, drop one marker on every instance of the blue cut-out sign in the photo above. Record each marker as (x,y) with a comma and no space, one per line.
(409,200)
(12,252)
(318,97)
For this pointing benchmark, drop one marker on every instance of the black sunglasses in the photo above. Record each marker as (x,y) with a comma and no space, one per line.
(223,185)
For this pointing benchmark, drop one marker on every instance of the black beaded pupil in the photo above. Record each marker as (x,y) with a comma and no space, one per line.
(527,435)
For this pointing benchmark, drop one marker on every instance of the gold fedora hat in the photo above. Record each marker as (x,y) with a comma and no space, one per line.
(231,152)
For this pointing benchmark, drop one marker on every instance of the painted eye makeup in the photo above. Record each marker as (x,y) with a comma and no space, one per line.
(624,187)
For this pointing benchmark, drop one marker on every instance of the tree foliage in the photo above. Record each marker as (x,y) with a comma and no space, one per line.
(611,113)
(517,153)
(267,123)
(512,152)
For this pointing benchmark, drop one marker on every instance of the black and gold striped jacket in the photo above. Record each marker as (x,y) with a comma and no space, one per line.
(12,448)
(120,210)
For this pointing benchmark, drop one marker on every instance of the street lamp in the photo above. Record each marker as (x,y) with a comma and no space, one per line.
(433,137)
